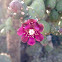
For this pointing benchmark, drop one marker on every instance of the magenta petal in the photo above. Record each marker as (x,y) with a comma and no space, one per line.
(27,27)
(20,31)
(24,38)
(24,24)
(31,41)
(41,27)
(31,20)
(39,37)
(36,26)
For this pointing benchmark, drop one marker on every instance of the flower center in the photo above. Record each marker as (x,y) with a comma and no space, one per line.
(31,31)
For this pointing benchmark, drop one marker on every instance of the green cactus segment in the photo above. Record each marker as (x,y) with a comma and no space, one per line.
(55,27)
(4,58)
(32,13)
(32,50)
(48,48)
(46,27)
(10,29)
(38,9)
(8,26)
(8,22)
(28,2)
(59,6)
(25,9)
(58,0)
(59,23)
(44,42)
(55,30)
(54,15)
(2,26)
(51,3)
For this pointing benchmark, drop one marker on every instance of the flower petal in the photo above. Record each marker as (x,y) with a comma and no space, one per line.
(31,41)
(39,37)
(27,27)
(20,31)
(24,24)
(41,27)
(31,21)
(36,26)
(24,38)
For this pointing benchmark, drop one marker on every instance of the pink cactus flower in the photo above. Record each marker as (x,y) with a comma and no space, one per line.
(15,6)
(30,32)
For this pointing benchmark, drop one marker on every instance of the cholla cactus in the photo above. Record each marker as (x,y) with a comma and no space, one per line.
(59,6)
(46,27)
(37,13)
(28,2)
(55,30)
(54,15)
(18,9)
(33,50)
(45,41)
(51,3)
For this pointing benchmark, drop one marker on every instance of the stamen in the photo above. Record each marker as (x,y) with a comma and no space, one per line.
(31,31)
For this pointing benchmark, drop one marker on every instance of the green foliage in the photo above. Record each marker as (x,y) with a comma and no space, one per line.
(54,15)
(32,13)
(55,27)
(4,58)
(5,27)
(58,0)
(59,23)
(28,2)
(1,26)
(48,48)
(55,30)
(46,27)
(8,22)
(10,29)
(59,6)
(25,10)
(51,3)
(44,42)
(38,13)
(32,50)
(8,26)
